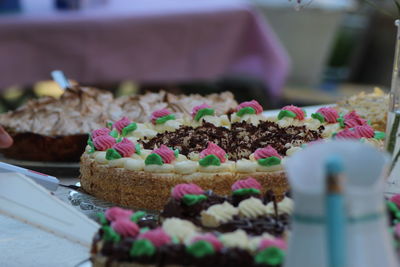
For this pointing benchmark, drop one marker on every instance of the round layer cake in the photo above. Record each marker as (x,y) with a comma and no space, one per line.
(136,164)
(244,228)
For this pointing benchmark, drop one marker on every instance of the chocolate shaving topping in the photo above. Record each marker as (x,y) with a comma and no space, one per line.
(239,142)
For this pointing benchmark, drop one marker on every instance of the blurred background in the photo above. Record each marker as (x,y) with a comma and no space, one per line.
(270,50)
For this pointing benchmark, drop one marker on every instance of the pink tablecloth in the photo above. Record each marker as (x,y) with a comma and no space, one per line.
(148,41)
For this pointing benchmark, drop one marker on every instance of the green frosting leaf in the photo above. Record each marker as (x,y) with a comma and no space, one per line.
(102,218)
(114,133)
(379,135)
(109,125)
(137,149)
(175,240)
(286,113)
(137,216)
(318,116)
(392,206)
(128,129)
(142,247)
(164,119)
(210,160)
(270,161)
(246,191)
(110,235)
(154,158)
(112,154)
(305,112)
(90,143)
(119,139)
(190,200)
(204,112)
(200,249)
(245,110)
(176,153)
(340,120)
(144,230)
(271,256)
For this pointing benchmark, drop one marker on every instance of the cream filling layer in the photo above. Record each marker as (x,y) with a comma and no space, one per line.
(168,126)
(218,121)
(250,118)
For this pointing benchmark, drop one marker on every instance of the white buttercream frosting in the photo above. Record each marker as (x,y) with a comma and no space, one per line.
(252,208)
(100,157)
(134,164)
(246,166)
(293,150)
(181,229)
(284,207)
(250,118)
(217,214)
(236,239)
(168,126)
(228,166)
(186,167)
(159,168)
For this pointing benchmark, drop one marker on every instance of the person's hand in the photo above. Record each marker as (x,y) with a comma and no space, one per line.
(5,138)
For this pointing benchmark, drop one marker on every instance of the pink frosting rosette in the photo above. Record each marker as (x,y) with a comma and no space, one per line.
(125,227)
(330,114)
(246,183)
(213,149)
(159,113)
(251,104)
(181,190)
(396,200)
(347,134)
(121,124)
(266,152)
(210,238)
(103,142)
(125,148)
(116,213)
(167,155)
(352,120)
(158,237)
(365,131)
(296,110)
(276,242)
(99,132)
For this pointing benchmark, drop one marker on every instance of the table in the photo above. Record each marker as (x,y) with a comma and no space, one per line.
(147,41)
(24,245)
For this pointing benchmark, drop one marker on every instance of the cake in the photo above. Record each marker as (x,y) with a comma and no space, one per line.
(128,238)
(245,209)
(50,129)
(373,106)
(135,164)
(139,107)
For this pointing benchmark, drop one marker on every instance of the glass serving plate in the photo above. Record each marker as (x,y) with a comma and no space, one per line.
(91,205)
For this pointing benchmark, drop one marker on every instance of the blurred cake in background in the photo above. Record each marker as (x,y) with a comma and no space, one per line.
(373,106)
(50,129)
(56,129)
(139,107)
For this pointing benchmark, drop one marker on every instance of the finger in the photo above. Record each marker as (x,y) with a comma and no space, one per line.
(5,138)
